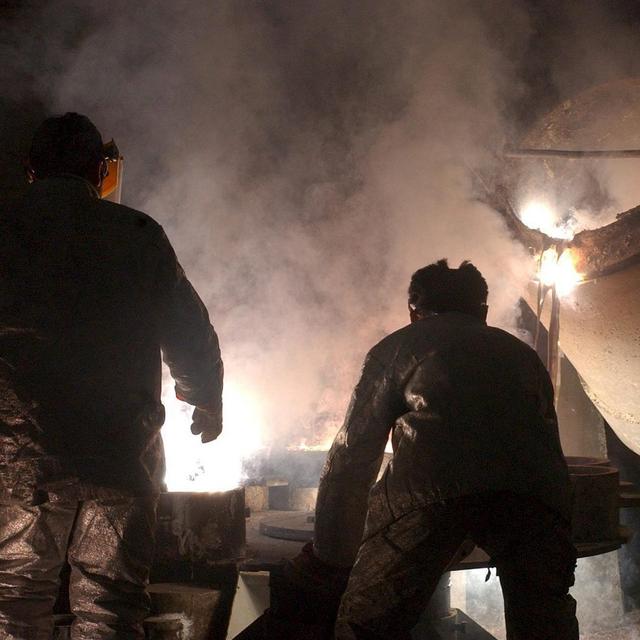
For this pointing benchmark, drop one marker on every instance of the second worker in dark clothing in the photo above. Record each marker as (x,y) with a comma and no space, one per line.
(91,296)
(476,455)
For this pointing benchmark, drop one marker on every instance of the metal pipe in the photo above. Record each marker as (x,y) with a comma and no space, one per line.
(514,152)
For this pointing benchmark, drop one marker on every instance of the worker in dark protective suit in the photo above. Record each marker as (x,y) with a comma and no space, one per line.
(91,297)
(476,455)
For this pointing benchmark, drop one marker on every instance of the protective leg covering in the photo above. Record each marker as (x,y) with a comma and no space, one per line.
(109,545)
(110,554)
(398,567)
(394,575)
(33,547)
(535,560)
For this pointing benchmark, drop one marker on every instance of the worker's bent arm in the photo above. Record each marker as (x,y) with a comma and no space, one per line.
(189,343)
(353,464)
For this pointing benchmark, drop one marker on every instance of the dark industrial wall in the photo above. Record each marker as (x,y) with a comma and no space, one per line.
(21,109)
(19,119)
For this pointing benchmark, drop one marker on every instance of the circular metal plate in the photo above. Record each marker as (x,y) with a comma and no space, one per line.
(297,526)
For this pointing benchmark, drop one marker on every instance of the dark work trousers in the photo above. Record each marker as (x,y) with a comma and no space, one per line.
(398,567)
(109,546)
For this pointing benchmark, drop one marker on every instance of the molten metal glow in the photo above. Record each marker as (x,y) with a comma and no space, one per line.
(559,271)
(303,446)
(539,215)
(217,466)
(326,445)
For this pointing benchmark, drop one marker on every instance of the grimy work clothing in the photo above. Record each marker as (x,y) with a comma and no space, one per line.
(398,568)
(91,297)
(470,410)
(109,547)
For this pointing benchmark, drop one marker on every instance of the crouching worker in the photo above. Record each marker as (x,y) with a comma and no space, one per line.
(91,295)
(476,454)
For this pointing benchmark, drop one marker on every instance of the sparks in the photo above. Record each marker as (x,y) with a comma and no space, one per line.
(559,271)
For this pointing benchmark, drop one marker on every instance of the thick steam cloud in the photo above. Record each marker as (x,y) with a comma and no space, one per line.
(304,158)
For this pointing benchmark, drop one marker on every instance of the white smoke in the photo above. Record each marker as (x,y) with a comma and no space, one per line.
(304,160)
(586,45)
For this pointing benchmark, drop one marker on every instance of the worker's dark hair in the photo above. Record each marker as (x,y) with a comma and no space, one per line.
(437,289)
(65,144)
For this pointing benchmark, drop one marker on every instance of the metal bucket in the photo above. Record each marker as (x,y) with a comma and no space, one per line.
(199,538)
(200,528)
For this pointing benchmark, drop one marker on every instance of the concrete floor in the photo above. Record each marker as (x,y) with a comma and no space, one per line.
(628,629)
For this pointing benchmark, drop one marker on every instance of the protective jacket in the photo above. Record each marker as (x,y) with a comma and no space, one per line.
(91,293)
(471,410)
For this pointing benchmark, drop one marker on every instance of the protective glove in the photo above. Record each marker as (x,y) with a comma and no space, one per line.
(206,422)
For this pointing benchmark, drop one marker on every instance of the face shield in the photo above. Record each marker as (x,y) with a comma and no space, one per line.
(111,186)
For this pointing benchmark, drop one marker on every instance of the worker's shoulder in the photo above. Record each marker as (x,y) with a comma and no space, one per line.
(508,343)
(507,337)
(436,332)
(119,214)
(392,344)
(131,226)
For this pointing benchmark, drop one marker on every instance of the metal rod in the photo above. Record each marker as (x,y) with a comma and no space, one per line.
(540,304)
(513,152)
(553,352)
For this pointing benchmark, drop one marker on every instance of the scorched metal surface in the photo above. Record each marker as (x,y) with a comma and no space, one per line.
(599,327)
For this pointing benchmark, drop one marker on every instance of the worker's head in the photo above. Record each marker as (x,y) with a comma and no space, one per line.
(67,145)
(438,288)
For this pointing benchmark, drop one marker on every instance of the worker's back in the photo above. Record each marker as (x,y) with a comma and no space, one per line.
(479,414)
(84,288)
(91,297)
(476,456)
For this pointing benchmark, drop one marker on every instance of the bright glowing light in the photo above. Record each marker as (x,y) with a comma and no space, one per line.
(539,215)
(216,466)
(326,445)
(559,271)
(303,446)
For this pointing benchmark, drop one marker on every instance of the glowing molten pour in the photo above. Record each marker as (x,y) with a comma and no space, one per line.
(217,466)
(539,215)
(559,271)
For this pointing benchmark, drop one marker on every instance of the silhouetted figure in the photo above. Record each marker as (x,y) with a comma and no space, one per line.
(91,294)
(476,454)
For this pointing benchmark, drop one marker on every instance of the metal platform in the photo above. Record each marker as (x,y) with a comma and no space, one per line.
(275,536)
(298,526)
(291,525)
